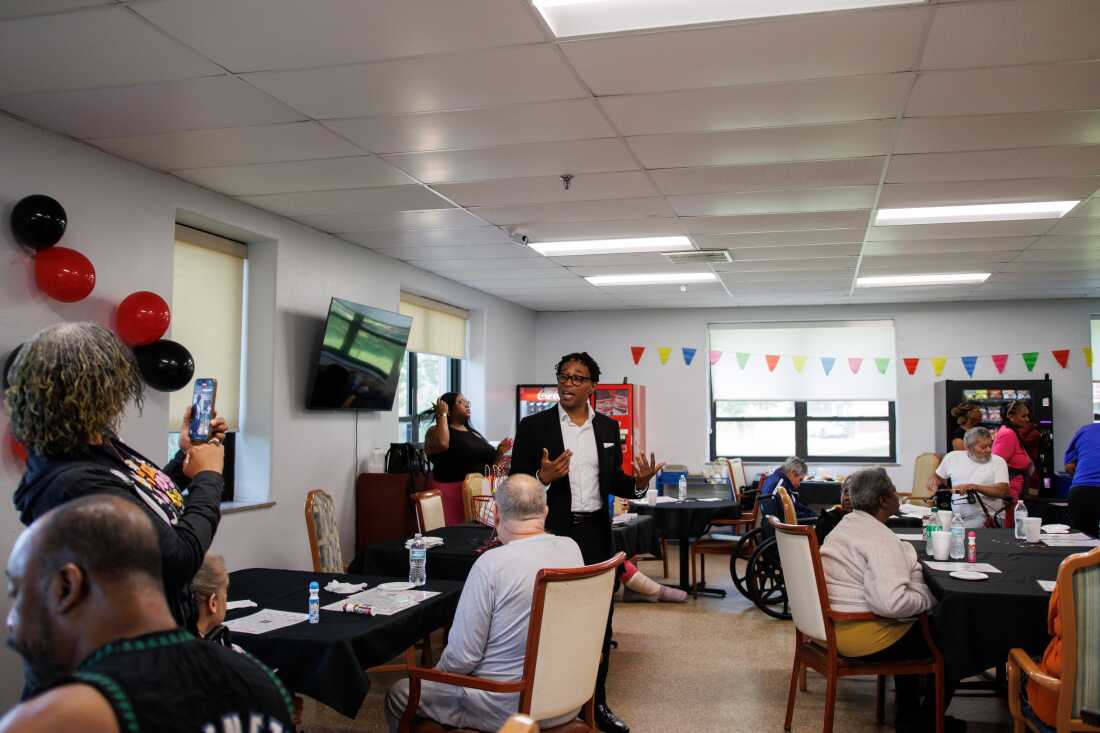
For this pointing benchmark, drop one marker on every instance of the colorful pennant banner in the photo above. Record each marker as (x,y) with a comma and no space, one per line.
(882,363)
(854,363)
(969,362)
(742,359)
(799,362)
(999,361)
(911,364)
(1030,358)
(827,364)
(938,363)
(663,353)
(715,357)
(689,354)
(1062,357)
(636,353)
(1087,351)
(772,360)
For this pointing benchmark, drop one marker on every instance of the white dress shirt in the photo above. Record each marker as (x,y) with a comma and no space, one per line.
(584,466)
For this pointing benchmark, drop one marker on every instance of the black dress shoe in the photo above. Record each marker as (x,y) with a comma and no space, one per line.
(608,722)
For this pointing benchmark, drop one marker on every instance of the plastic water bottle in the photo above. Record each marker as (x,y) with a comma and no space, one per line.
(958,538)
(314,603)
(682,487)
(418,561)
(1019,514)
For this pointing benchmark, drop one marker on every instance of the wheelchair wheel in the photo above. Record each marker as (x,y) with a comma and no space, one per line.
(743,553)
(764,581)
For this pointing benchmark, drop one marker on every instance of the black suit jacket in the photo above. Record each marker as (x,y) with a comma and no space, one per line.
(543,430)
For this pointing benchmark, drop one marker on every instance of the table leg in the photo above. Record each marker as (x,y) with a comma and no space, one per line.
(685,557)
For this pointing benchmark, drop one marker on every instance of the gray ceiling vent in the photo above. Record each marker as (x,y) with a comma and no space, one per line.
(699,257)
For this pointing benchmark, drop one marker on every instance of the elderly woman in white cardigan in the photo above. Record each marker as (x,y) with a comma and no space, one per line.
(867,568)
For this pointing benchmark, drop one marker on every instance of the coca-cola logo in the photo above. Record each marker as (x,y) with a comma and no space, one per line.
(548,395)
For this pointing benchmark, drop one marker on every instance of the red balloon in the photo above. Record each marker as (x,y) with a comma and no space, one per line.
(142,318)
(64,274)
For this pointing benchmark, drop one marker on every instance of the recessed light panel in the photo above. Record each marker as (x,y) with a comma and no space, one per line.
(612,246)
(653,278)
(975,212)
(901,281)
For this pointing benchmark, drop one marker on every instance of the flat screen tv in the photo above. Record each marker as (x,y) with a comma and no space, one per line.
(360,361)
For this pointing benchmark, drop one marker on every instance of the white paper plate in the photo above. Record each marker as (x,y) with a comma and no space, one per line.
(397,585)
(969,575)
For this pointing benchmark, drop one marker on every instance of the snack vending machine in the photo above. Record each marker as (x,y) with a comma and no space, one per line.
(625,404)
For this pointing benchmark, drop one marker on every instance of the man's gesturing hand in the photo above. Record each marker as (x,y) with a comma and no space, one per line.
(644,470)
(551,471)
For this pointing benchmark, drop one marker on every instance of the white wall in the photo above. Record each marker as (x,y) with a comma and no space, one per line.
(122,217)
(677,420)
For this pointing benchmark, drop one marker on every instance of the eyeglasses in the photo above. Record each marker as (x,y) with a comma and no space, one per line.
(575,379)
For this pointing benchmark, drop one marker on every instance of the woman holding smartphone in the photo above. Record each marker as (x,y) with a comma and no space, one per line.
(69,390)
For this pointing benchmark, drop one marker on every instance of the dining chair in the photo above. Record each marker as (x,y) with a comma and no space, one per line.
(474,485)
(1079,686)
(815,630)
(519,724)
(324,535)
(564,640)
(429,510)
(725,542)
(923,467)
(790,514)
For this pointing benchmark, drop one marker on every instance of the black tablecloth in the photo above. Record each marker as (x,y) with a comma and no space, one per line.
(819,493)
(454,558)
(977,622)
(326,661)
(683,520)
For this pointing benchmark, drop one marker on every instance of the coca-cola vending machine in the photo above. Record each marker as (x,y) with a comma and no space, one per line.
(533,398)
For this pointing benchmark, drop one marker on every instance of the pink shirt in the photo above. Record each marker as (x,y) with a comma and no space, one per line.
(1007,445)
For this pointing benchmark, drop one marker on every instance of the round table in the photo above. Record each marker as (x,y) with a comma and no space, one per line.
(685,519)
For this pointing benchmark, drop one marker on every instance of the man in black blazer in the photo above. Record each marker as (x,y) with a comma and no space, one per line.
(577,454)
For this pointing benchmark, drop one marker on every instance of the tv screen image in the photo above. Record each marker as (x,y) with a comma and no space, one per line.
(360,361)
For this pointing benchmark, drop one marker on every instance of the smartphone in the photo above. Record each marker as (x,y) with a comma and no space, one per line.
(202,409)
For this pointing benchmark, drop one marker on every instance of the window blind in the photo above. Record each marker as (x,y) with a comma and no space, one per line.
(437,328)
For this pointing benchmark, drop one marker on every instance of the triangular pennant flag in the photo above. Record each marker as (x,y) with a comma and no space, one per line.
(663,352)
(969,363)
(799,362)
(1062,357)
(636,352)
(911,364)
(1030,358)
(882,363)
(742,359)
(999,361)
(1087,351)
(715,357)
(772,360)
(689,354)
(854,363)
(938,363)
(827,364)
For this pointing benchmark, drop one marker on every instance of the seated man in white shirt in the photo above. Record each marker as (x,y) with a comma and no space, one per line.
(489,635)
(979,479)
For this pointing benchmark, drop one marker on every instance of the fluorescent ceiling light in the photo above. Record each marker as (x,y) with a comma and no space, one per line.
(900,281)
(612,246)
(585,17)
(653,278)
(976,212)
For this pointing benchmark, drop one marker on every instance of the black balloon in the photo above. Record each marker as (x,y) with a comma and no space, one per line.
(165,365)
(8,362)
(38,221)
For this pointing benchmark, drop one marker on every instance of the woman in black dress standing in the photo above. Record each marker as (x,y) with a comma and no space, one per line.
(454,446)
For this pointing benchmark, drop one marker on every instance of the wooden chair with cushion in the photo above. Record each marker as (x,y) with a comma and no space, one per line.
(1079,686)
(429,510)
(725,542)
(923,468)
(564,639)
(519,724)
(474,485)
(324,536)
(815,630)
(790,514)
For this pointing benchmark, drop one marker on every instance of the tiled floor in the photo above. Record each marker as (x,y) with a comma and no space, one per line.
(709,665)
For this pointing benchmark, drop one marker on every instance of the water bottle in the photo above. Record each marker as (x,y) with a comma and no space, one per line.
(682,487)
(1018,516)
(418,561)
(314,603)
(958,538)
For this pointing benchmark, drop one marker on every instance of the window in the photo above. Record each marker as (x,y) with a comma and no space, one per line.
(208,296)
(433,363)
(843,414)
(1095,344)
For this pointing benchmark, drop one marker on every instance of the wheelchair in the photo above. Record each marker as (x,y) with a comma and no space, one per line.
(761,579)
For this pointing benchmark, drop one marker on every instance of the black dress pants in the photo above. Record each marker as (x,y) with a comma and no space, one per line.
(592,533)
(1084,509)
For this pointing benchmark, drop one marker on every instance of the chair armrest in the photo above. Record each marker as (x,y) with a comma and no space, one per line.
(854,616)
(1032,672)
(464,680)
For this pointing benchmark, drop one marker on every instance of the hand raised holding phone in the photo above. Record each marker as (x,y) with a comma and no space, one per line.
(204,457)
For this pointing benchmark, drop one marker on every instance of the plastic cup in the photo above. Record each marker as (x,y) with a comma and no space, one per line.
(941,545)
(945,517)
(651,497)
(1032,528)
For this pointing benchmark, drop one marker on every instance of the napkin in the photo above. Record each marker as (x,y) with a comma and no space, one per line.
(1056,528)
(429,542)
(624,518)
(334,586)
(230,605)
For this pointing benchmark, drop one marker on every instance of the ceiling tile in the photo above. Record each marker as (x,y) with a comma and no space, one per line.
(147,109)
(230,146)
(776,222)
(546,189)
(552,231)
(833,279)
(1077,227)
(994,132)
(774,239)
(823,45)
(95,48)
(21,8)
(475,252)
(431,219)
(1005,90)
(523,266)
(810,102)
(428,84)
(1031,227)
(349,200)
(961,262)
(1086,208)
(947,246)
(517,161)
(778,176)
(806,252)
(979,192)
(768,202)
(641,268)
(361,171)
(251,35)
(390,238)
(825,264)
(1019,32)
(1067,243)
(572,119)
(1084,256)
(771,145)
(995,164)
(624,261)
(575,211)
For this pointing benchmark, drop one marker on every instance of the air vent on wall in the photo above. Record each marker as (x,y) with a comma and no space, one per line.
(699,257)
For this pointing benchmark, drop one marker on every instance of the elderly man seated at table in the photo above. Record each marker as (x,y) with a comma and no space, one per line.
(979,480)
(789,475)
(868,569)
(489,635)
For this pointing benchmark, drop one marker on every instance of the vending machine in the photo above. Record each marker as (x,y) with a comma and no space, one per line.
(533,398)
